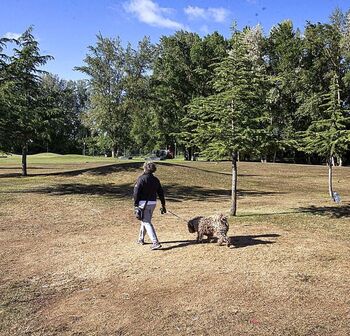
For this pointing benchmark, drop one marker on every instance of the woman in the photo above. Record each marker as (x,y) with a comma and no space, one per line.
(146,189)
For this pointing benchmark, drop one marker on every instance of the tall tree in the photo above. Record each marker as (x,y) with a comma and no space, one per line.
(139,64)
(205,54)
(321,59)
(25,118)
(67,100)
(107,115)
(233,120)
(284,51)
(173,84)
(329,136)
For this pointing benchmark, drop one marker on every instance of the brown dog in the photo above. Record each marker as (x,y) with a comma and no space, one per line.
(216,225)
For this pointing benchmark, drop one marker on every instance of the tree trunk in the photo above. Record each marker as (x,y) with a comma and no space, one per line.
(189,154)
(24,160)
(274,156)
(113,153)
(330,177)
(340,161)
(234,184)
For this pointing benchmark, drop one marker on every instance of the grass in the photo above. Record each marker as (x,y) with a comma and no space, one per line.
(70,265)
(52,158)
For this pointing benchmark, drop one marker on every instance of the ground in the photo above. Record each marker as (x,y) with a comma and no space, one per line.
(70,264)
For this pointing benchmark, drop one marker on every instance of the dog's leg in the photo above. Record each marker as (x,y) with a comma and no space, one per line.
(220,240)
(224,239)
(199,237)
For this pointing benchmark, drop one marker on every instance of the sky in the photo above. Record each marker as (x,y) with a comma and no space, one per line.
(65,28)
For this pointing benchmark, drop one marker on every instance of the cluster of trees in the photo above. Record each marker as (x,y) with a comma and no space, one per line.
(255,96)
(283,96)
(37,109)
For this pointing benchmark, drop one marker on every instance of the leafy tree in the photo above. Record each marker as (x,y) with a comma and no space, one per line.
(233,120)
(329,136)
(174,84)
(139,63)
(67,100)
(108,114)
(25,118)
(205,54)
(284,50)
(320,62)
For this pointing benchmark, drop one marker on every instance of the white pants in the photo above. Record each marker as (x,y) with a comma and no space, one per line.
(146,224)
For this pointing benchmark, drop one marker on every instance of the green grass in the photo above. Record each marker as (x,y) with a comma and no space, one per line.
(55,158)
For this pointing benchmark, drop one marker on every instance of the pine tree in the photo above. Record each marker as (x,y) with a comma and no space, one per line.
(25,118)
(329,136)
(234,119)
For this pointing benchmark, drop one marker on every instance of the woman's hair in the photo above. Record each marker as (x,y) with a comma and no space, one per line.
(149,167)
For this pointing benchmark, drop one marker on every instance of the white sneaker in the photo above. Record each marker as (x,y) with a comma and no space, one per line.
(156,246)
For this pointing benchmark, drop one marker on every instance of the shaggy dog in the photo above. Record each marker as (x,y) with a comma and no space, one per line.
(216,225)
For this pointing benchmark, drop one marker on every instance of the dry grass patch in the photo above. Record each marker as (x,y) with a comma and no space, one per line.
(70,265)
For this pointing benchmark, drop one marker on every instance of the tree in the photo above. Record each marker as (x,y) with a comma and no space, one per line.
(205,54)
(108,114)
(173,84)
(234,119)
(329,136)
(139,63)
(25,118)
(67,100)
(321,59)
(284,50)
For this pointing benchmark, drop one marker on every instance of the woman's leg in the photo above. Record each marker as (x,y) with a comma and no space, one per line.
(142,233)
(147,223)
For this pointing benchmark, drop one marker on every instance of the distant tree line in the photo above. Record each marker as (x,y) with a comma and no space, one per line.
(284,96)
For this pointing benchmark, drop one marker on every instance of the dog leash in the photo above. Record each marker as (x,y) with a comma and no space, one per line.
(177,216)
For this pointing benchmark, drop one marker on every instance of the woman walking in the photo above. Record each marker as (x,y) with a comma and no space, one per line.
(146,189)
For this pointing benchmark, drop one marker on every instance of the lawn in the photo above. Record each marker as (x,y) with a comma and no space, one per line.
(70,264)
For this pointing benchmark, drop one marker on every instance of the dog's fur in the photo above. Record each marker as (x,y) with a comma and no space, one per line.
(216,225)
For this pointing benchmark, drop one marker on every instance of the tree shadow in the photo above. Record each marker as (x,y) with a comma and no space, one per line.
(179,193)
(8,175)
(336,211)
(98,171)
(268,214)
(107,190)
(203,170)
(173,193)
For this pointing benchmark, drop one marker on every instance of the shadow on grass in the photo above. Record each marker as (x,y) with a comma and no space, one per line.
(173,193)
(336,211)
(269,214)
(178,193)
(105,170)
(98,171)
(236,241)
(109,190)
(203,170)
